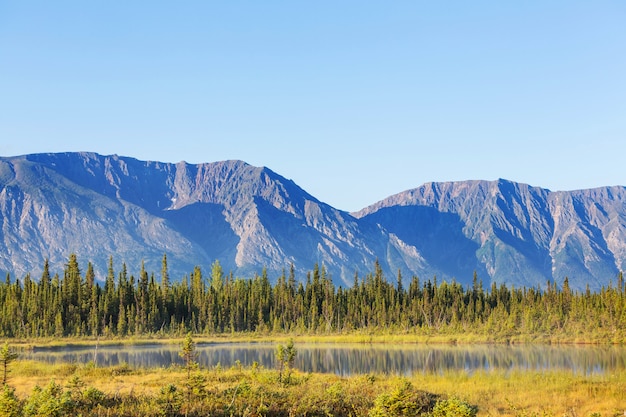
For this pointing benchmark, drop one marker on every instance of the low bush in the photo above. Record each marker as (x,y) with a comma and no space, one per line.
(404,401)
(51,401)
(10,405)
(453,407)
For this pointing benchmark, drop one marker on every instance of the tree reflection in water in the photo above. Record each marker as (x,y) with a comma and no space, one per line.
(349,359)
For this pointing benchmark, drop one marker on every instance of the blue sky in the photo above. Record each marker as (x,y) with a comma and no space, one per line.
(353,100)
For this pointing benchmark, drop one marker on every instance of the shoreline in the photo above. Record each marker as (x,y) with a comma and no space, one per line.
(348,338)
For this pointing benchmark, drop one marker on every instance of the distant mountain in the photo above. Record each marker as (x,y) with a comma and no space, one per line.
(248,218)
(509,232)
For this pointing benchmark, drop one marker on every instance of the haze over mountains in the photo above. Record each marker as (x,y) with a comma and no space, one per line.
(248,218)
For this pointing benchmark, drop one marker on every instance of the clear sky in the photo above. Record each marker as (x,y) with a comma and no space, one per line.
(353,100)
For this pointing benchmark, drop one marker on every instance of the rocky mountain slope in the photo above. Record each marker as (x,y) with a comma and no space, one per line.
(248,218)
(512,233)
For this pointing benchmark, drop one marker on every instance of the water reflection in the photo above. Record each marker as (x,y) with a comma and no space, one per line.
(348,359)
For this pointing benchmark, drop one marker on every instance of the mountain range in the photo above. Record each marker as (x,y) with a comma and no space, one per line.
(249,218)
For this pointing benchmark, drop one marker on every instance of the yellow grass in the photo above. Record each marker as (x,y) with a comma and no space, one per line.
(361,337)
(528,393)
(495,393)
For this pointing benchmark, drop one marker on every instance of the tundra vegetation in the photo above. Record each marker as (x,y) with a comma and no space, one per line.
(217,392)
(40,389)
(74,306)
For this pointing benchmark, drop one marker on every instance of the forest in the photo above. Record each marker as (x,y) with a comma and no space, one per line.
(75,304)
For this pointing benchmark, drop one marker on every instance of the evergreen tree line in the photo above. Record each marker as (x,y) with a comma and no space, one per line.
(77,305)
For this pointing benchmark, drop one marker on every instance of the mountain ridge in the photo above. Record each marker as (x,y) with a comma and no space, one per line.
(528,227)
(251,218)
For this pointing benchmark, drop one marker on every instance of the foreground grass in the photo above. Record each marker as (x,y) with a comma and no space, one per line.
(256,391)
(236,391)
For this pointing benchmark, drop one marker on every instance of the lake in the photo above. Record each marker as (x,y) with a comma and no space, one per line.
(350,359)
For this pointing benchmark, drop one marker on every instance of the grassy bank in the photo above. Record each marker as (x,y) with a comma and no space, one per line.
(257,391)
(359,337)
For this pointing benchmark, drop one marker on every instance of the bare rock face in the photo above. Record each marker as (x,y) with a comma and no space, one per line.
(97,206)
(250,218)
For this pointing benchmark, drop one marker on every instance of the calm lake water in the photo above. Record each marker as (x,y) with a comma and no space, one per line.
(350,359)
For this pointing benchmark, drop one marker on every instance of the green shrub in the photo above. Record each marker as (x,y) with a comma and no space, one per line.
(170,400)
(10,405)
(75,386)
(453,407)
(404,401)
(93,397)
(51,401)
(197,385)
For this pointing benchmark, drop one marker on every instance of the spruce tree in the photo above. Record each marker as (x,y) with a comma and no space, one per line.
(6,357)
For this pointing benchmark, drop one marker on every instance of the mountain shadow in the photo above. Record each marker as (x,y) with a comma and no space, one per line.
(204,224)
(437,236)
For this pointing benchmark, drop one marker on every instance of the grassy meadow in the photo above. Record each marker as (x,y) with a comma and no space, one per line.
(255,391)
